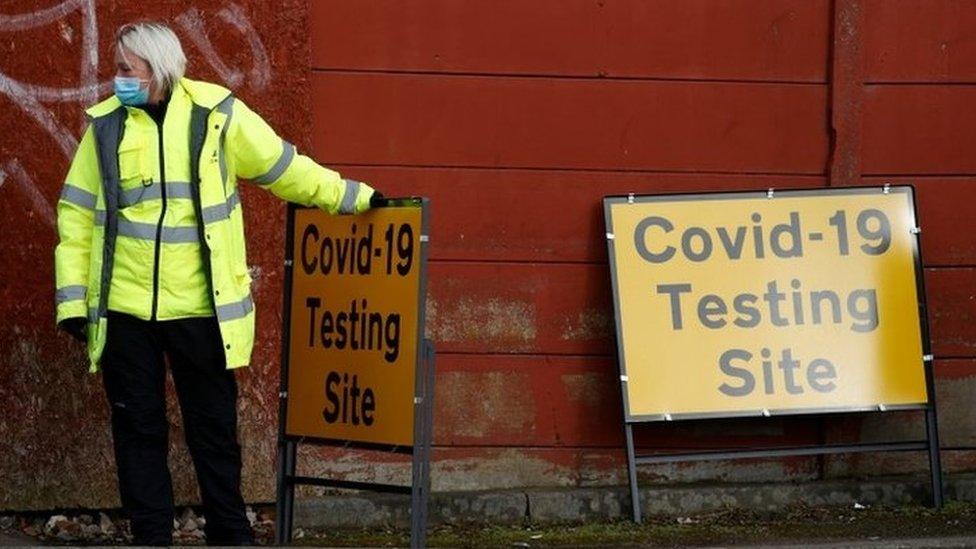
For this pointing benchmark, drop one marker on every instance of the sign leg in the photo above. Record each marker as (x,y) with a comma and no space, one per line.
(288,504)
(416,520)
(428,435)
(935,460)
(280,534)
(419,498)
(632,474)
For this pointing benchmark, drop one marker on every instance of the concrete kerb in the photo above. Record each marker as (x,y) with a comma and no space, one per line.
(376,510)
(574,505)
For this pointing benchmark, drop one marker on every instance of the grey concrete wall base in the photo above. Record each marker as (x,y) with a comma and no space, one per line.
(568,505)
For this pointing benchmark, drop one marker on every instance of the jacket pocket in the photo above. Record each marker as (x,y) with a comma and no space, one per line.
(135,172)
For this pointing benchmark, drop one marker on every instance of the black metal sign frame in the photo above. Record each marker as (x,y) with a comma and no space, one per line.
(929,444)
(419,489)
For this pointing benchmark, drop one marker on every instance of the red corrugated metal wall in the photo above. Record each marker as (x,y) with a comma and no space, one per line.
(517,117)
(915,87)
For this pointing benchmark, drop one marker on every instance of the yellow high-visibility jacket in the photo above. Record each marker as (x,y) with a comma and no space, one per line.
(149,218)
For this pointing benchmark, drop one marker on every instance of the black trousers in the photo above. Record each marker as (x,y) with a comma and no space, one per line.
(134,374)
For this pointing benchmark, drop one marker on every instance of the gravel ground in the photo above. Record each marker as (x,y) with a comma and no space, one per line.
(88,527)
(834,527)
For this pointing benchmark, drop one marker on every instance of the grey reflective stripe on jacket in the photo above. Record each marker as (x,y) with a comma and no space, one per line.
(74,292)
(210,213)
(227,107)
(348,205)
(279,167)
(233,311)
(174,189)
(108,134)
(147,231)
(220,211)
(198,134)
(78,196)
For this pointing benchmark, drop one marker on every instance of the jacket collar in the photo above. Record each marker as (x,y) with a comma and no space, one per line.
(205,94)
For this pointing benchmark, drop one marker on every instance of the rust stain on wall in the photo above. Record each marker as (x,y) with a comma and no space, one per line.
(496,320)
(584,389)
(591,324)
(476,405)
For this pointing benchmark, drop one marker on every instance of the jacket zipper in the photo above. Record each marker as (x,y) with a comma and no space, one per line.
(159,226)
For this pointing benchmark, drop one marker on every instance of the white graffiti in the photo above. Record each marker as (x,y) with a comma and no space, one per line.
(30,98)
(27,97)
(192,24)
(11,170)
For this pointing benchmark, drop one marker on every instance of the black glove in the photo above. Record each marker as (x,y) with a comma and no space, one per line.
(76,328)
(377,200)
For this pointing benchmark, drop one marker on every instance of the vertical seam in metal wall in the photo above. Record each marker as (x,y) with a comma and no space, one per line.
(845,103)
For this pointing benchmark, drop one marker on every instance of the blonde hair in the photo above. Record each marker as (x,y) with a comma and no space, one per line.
(159,46)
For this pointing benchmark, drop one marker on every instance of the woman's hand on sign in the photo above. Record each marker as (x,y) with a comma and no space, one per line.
(377,200)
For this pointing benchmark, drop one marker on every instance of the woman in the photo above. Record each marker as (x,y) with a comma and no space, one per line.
(151,265)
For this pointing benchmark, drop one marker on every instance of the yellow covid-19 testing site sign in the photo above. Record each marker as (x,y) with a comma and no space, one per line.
(736,304)
(355,323)
(356,371)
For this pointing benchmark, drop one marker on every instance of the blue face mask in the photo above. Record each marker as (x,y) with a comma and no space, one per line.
(130,92)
